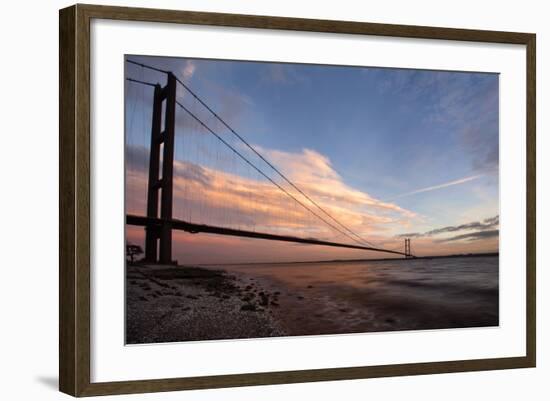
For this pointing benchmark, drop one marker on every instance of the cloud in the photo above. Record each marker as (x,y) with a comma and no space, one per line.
(214,195)
(472,236)
(479,227)
(484,225)
(314,172)
(407,83)
(227,101)
(409,235)
(466,104)
(492,220)
(480,140)
(439,186)
(471,107)
(188,69)
(280,73)
(137,159)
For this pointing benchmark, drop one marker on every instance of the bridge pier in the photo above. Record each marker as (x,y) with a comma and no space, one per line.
(158,238)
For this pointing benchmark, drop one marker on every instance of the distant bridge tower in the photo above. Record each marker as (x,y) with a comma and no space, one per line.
(158,237)
(408,253)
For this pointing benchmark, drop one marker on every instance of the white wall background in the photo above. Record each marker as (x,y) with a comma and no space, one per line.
(29,185)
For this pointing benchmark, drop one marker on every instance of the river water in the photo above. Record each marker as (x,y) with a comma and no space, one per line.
(365,296)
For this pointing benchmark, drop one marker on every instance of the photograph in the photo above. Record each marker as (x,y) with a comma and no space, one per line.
(270,199)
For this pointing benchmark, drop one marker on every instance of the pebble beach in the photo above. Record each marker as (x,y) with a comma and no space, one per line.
(170,304)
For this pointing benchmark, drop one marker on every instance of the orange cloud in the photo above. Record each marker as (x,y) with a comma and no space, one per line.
(213,196)
(314,172)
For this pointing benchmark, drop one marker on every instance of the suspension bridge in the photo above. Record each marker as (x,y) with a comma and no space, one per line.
(223,184)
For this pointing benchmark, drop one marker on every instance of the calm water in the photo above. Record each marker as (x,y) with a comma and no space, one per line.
(345,297)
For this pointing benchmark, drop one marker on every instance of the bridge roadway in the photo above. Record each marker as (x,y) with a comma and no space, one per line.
(203,228)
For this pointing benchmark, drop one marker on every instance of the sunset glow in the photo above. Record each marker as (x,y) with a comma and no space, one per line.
(389,153)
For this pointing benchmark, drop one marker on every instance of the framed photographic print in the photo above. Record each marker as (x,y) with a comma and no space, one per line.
(251,200)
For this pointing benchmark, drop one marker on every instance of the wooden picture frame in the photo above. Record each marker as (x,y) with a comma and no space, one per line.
(74,204)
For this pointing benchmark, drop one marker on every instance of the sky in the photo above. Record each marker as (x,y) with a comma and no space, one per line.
(388,153)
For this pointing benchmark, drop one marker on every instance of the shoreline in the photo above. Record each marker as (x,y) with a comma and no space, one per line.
(171,304)
(198,303)
(467,255)
(190,303)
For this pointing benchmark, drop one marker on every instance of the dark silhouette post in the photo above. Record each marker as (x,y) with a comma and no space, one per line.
(151,231)
(158,237)
(132,251)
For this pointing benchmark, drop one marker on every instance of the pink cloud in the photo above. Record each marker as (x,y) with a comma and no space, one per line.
(314,172)
(212,196)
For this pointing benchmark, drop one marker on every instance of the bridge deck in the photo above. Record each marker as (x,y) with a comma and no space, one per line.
(202,228)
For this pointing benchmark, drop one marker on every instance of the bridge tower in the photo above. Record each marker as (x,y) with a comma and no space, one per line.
(158,237)
(408,253)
